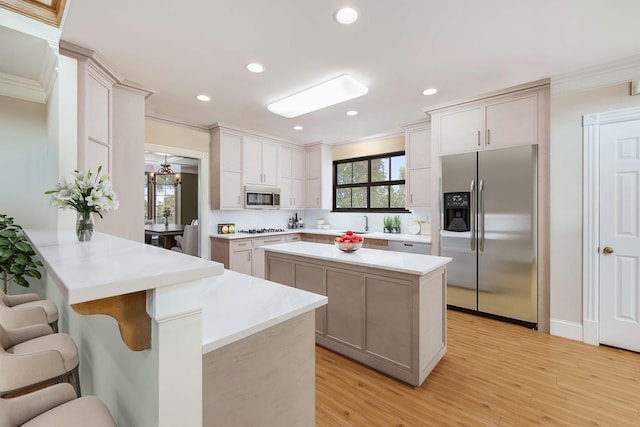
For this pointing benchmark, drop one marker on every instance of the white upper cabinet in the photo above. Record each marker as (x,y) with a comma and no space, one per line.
(461,131)
(512,122)
(319,178)
(291,165)
(259,161)
(418,147)
(503,121)
(226,170)
(418,154)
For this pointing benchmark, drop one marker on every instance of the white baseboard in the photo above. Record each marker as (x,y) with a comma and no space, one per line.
(565,329)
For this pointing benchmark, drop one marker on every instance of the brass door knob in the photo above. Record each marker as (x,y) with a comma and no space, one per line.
(607,250)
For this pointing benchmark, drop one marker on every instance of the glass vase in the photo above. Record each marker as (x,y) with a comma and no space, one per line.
(84,226)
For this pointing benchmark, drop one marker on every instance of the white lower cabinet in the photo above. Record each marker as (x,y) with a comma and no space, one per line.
(245,255)
(241,256)
(257,268)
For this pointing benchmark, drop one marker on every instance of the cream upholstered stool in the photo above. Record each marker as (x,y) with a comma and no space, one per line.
(32,356)
(27,309)
(54,406)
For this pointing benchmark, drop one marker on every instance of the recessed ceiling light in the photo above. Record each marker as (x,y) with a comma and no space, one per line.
(347,15)
(204,98)
(254,67)
(298,127)
(352,113)
(331,92)
(431,91)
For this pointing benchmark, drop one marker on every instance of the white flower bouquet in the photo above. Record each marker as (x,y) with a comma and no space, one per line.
(89,193)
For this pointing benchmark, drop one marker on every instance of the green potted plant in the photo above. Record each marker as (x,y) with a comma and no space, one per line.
(395,224)
(16,255)
(387,221)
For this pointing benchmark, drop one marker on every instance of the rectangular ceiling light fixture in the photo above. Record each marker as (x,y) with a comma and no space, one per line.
(331,92)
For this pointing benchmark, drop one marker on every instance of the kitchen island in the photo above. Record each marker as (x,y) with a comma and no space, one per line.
(386,310)
(258,352)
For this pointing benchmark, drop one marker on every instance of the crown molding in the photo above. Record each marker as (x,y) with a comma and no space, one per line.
(250,132)
(135,87)
(376,137)
(84,54)
(21,88)
(534,85)
(169,120)
(416,124)
(611,73)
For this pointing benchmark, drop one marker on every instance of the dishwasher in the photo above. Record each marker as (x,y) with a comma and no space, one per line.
(412,247)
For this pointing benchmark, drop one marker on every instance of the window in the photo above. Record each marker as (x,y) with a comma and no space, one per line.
(156,196)
(374,183)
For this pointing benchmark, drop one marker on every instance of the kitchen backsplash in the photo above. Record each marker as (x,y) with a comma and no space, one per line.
(247,219)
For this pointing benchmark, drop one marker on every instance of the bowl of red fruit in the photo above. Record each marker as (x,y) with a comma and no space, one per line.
(349,242)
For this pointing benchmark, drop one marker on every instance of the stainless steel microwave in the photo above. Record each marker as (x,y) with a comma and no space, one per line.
(261,197)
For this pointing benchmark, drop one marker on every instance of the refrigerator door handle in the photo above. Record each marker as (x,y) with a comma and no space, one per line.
(472,240)
(481,214)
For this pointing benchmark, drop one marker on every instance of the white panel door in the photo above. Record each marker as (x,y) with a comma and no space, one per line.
(620,235)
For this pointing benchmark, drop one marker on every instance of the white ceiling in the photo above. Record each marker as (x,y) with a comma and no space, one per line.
(464,48)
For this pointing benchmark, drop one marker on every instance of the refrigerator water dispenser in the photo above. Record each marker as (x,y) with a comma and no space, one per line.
(456,211)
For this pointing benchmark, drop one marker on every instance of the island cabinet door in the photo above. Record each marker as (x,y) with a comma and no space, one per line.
(345,311)
(388,304)
(311,278)
(280,270)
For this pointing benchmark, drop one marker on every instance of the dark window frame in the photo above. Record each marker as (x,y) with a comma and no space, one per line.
(369,183)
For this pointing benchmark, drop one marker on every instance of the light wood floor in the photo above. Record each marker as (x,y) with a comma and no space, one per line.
(494,374)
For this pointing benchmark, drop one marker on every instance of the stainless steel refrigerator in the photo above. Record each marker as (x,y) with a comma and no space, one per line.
(489,228)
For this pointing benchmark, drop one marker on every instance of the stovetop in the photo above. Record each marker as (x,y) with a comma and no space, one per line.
(261,230)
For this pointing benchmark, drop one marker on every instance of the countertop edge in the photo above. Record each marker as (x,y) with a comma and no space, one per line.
(237,336)
(414,238)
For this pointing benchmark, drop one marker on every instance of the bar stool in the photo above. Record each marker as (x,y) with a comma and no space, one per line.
(27,309)
(33,356)
(56,405)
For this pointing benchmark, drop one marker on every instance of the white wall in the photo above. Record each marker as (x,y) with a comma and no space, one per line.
(159,132)
(566,193)
(29,163)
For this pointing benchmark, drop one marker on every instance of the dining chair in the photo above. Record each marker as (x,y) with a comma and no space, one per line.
(27,309)
(33,356)
(56,405)
(188,242)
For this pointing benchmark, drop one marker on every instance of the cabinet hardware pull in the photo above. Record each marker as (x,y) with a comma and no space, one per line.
(412,198)
(478,138)
(248,256)
(488,136)
(408,244)
(242,244)
(272,240)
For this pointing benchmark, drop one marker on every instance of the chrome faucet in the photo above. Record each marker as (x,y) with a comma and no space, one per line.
(366,223)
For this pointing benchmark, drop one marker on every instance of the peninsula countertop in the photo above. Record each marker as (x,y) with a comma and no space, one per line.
(236,305)
(108,266)
(375,258)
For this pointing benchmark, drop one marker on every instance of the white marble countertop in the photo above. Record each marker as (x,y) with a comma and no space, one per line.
(375,258)
(236,305)
(108,266)
(413,238)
